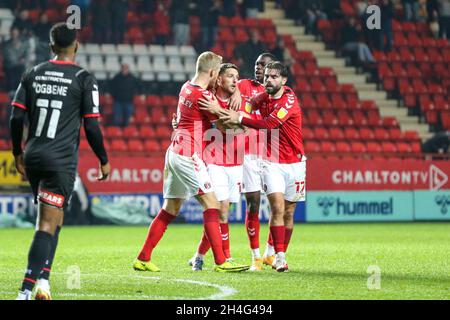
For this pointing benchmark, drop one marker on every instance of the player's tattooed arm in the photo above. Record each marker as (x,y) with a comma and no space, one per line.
(236,100)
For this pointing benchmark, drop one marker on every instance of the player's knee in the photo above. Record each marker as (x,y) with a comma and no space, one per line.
(172,206)
(253,201)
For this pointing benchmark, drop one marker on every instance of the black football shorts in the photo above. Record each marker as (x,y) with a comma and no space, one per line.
(51,187)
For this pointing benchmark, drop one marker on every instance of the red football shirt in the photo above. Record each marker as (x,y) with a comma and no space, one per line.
(284,114)
(228,148)
(250,88)
(188,138)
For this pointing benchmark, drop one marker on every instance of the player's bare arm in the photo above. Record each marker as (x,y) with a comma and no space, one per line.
(235,100)
(212,106)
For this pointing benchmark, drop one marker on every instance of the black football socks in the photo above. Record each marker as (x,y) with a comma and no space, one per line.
(39,252)
(45,273)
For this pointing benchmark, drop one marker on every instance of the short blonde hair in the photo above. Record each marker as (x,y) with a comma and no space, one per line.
(208,60)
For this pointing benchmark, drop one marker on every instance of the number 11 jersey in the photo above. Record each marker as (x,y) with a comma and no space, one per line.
(56,96)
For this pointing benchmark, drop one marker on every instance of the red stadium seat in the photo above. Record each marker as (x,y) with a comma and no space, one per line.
(403,147)
(84,145)
(410,135)
(146,132)
(358,147)
(135,145)
(131,132)
(352,133)
(312,147)
(329,118)
(118,145)
(308,134)
(416,147)
(163,131)
(114,132)
(344,118)
(373,147)
(388,147)
(395,133)
(152,145)
(327,147)
(390,122)
(366,134)
(381,134)
(336,133)
(343,147)
(321,133)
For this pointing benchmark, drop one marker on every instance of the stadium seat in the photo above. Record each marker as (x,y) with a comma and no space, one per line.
(131,132)
(114,132)
(135,145)
(373,147)
(152,145)
(336,133)
(358,147)
(118,145)
(327,147)
(343,147)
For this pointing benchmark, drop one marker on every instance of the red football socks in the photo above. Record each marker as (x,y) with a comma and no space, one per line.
(212,230)
(252,226)
(287,237)
(204,245)
(155,233)
(278,238)
(225,232)
(270,239)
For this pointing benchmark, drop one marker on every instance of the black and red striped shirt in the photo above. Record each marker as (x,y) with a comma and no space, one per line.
(56,95)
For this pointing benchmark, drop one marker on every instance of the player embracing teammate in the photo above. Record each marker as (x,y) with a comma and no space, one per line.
(185,173)
(284,161)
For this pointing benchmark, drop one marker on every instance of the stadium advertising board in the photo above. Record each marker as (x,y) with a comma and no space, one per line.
(8,173)
(145,175)
(360,206)
(128,175)
(359,175)
(17,203)
(432,205)
(191,211)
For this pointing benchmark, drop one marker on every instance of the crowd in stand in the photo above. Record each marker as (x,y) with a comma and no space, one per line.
(358,39)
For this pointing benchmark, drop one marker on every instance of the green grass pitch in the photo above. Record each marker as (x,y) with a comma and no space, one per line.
(326,261)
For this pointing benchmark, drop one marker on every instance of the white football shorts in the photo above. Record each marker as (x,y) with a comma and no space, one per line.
(185,177)
(252,177)
(227,182)
(287,178)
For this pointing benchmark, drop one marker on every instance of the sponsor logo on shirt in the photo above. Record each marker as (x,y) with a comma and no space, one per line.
(282,113)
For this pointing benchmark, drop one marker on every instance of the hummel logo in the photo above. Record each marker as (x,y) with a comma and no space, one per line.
(225,237)
(251,231)
(325,203)
(443,202)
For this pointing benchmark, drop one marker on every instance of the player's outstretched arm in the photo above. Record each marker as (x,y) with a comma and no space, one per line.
(16,126)
(95,139)
(212,106)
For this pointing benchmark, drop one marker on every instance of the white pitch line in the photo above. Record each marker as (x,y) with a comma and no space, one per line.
(224,291)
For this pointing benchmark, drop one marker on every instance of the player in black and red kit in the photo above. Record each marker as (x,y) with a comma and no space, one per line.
(56,96)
